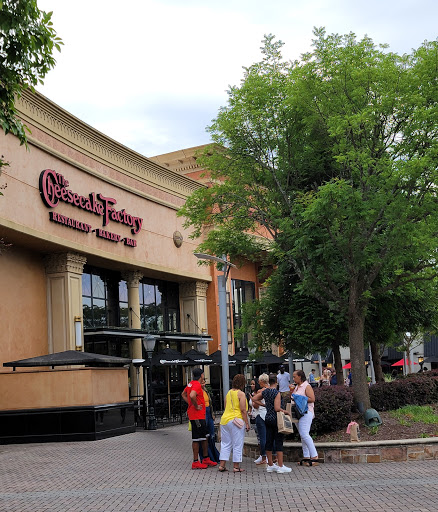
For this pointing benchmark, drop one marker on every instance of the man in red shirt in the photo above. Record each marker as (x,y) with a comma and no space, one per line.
(194,397)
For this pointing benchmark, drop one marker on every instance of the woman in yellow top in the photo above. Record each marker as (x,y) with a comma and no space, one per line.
(233,421)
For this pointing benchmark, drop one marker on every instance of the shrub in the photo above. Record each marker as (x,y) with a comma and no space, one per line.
(333,406)
(415,389)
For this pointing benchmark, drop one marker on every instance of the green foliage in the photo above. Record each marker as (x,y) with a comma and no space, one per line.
(27,42)
(372,431)
(416,389)
(332,159)
(333,406)
(285,315)
(416,413)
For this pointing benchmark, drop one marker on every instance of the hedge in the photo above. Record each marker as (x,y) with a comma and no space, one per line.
(334,404)
(333,407)
(414,389)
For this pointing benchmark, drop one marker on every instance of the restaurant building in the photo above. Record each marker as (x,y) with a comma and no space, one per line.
(90,237)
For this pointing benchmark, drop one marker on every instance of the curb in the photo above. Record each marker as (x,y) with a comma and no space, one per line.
(399,450)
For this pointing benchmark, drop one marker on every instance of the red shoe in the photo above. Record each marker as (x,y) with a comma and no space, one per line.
(199,465)
(208,461)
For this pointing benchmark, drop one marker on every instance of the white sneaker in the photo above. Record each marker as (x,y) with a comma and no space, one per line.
(257,461)
(272,469)
(283,469)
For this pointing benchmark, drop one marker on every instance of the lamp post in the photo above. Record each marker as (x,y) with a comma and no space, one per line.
(149,346)
(421,362)
(222,292)
(137,363)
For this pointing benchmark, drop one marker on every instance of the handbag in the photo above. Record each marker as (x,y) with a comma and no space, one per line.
(284,423)
(300,405)
(236,421)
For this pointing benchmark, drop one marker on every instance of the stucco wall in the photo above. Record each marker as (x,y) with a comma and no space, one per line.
(23,309)
(34,389)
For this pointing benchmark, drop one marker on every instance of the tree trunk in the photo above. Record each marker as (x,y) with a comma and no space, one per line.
(338,363)
(356,320)
(375,354)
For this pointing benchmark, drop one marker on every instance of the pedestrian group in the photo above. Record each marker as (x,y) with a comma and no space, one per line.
(269,395)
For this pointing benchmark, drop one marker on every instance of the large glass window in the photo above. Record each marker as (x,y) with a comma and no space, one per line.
(242,291)
(159,305)
(123,304)
(94,300)
(105,302)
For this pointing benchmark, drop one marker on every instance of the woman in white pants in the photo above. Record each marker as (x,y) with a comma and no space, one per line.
(302,387)
(234,422)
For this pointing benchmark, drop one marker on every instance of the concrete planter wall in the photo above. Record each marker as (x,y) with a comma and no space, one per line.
(363,452)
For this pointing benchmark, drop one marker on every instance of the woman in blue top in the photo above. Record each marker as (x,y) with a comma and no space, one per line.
(272,399)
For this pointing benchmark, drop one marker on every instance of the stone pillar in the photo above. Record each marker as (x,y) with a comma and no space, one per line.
(133,278)
(64,298)
(193,299)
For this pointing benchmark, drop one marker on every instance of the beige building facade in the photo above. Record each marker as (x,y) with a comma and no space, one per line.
(90,234)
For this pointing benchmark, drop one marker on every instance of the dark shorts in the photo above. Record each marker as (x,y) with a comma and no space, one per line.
(199,430)
(273,437)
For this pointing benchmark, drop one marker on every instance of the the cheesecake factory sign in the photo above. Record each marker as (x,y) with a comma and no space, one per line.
(54,188)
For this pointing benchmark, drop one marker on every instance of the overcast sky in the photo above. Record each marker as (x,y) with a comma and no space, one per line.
(152,74)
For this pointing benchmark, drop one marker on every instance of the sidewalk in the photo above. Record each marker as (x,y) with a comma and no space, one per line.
(151,471)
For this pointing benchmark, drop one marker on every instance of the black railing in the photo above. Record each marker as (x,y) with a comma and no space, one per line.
(169,408)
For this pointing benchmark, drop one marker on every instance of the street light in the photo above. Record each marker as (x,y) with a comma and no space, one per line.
(222,292)
(421,362)
(202,345)
(137,363)
(149,346)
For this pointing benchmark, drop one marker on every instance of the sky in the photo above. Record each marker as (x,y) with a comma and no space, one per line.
(152,74)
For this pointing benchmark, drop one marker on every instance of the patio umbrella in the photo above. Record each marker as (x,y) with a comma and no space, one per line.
(299,359)
(403,362)
(69,358)
(198,357)
(269,358)
(242,356)
(346,366)
(217,361)
(171,357)
(217,358)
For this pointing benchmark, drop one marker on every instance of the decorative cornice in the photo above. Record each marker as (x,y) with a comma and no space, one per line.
(193,289)
(64,262)
(39,111)
(132,278)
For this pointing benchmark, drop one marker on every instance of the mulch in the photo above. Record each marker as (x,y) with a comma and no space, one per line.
(391,429)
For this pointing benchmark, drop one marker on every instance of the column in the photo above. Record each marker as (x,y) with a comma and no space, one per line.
(133,278)
(64,298)
(193,299)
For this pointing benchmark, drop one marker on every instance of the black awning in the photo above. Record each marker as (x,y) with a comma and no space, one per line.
(217,358)
(126,333)
(170,357)
(198,357)
(69,358)
(299,359)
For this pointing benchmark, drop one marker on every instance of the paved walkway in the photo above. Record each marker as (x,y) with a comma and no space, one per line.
(151,471)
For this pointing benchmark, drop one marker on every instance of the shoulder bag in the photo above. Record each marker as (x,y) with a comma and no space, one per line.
(237,421)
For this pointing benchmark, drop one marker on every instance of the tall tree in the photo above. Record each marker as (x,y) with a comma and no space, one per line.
(298,322)
(27,43)
(332,159)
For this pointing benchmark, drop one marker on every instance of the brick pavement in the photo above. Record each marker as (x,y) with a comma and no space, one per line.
(150,471)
